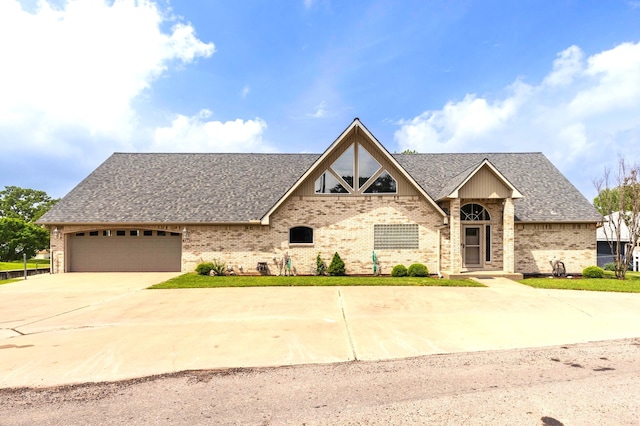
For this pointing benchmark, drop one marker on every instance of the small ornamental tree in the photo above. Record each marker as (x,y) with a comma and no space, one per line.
(619,203)
(336,267)
(321,267)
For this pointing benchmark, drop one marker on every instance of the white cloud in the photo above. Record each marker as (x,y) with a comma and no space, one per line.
(245,91)
(582,115)
(74,70)
(198,134)
(320,111)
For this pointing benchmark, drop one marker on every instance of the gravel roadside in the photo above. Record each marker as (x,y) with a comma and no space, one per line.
(590,383)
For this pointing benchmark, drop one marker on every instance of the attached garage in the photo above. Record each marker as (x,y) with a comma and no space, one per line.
(125,250)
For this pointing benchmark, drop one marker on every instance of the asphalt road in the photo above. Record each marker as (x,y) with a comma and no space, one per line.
(582,384)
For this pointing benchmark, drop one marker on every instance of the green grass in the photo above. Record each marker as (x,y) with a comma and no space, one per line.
(630,285)
(19,264)
(12,280)
(193,280)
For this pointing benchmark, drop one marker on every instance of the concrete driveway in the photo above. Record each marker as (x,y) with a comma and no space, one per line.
(74,328)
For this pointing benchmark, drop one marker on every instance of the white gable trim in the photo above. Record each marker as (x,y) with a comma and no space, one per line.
(355,126)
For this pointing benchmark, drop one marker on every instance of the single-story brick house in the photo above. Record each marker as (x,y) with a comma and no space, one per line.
(508,212)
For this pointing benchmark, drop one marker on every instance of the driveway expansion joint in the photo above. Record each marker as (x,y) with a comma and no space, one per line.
(346,324)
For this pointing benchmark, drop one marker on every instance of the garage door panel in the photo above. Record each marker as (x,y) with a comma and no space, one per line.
(143,253)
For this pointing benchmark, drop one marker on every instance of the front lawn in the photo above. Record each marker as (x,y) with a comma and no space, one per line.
(609,283)
(12,280)
(19,264)
(193,280)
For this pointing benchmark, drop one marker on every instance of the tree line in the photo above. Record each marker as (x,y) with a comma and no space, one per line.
(20,208)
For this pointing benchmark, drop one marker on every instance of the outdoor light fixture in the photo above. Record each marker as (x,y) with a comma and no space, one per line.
(185,234)
(56,233)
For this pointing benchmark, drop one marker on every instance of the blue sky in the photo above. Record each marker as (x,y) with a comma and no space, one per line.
(81,79)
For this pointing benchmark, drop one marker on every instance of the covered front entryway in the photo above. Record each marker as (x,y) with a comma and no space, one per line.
(124,250)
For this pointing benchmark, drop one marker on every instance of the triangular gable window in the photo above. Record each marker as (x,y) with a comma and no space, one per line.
(343,166)
(328,184)
(385,183)
(340,178)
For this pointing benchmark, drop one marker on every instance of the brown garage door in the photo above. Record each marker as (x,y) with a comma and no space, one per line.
(125,250)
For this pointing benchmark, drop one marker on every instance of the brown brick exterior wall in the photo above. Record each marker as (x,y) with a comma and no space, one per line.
(341,224)
(536,244)
(345,225)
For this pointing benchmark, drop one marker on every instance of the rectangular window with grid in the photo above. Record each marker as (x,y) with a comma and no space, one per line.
(395,237)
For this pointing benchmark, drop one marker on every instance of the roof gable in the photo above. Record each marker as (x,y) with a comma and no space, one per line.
(481,181)
(334,152)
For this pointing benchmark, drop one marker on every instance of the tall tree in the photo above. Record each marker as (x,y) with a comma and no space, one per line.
(18,237)
(620,205)
(25,204)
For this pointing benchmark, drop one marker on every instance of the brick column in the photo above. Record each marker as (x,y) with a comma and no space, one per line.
(508,243)
(454,231)
(57,247)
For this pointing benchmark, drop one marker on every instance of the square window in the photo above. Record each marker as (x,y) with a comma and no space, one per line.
(147,233)
(121,233)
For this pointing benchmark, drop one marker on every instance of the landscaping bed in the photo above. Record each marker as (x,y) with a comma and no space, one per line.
(609,283)
(193,280)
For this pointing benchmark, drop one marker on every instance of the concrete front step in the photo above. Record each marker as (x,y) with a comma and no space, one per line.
(482,274)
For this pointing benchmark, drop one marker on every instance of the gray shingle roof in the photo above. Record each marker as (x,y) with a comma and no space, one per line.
(181,188)
(207,188)
(547,194)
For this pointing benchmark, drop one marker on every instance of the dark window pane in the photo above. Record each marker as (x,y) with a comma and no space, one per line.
(301,235)
(367,166)
(474,212)
(344,165)
(384,184)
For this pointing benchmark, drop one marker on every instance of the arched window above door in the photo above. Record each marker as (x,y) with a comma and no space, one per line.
(474,212)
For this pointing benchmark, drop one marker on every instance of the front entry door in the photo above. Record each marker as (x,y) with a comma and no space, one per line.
(472,247)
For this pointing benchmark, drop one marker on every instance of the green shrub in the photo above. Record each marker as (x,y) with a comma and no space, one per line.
(204,268)
(217,266)
(418,270)
(336,267)
(593,272)
(321,267)
(611,266)
(399,271)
